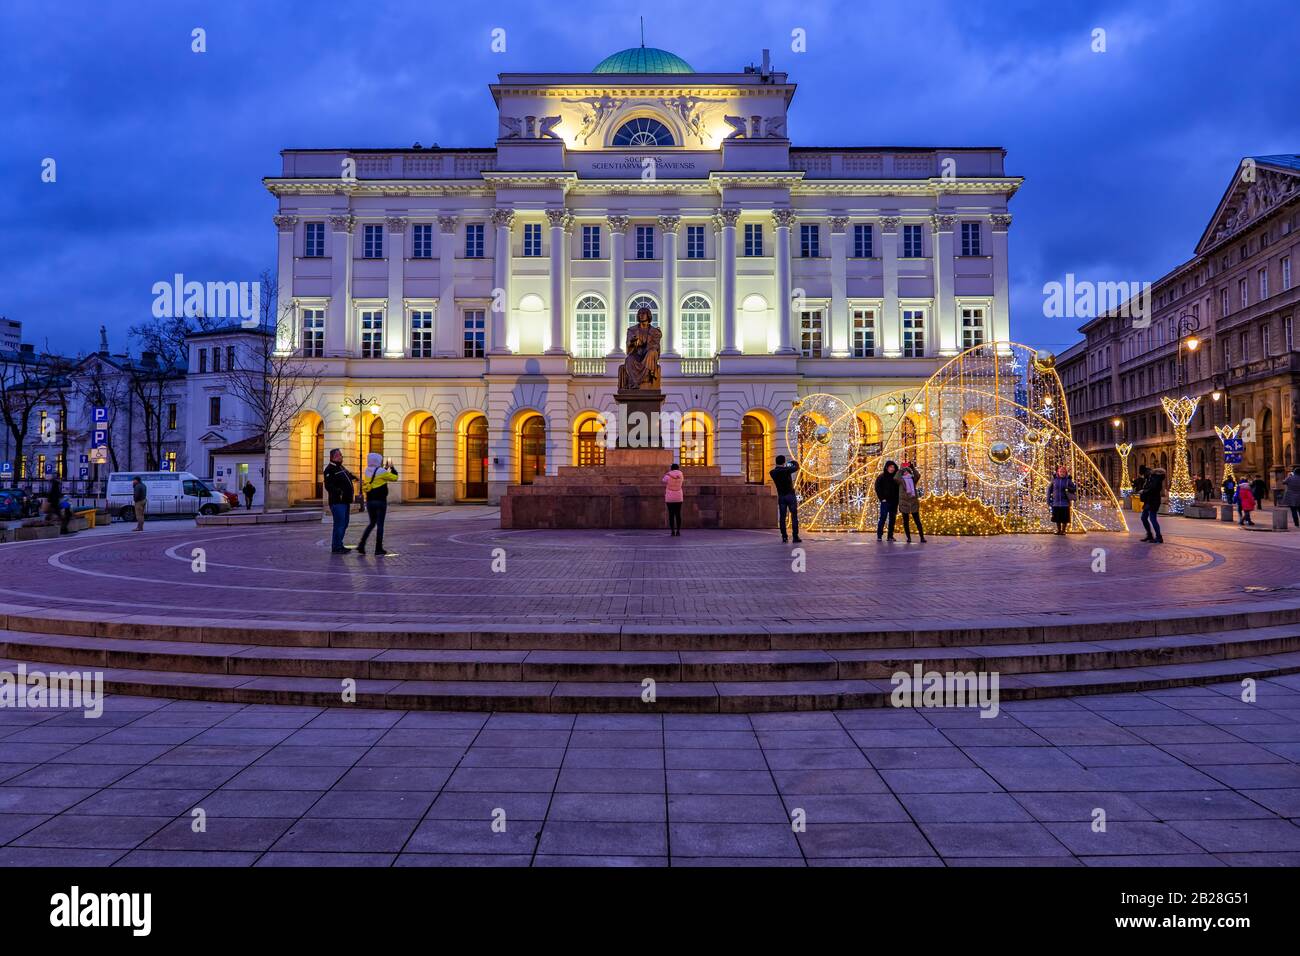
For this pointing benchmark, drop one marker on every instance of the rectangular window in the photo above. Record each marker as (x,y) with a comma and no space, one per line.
(1244,341)
(474,240)
(753,239)
(313,333)
(1286,273)
(1265,350)
(645,242)
(422,241)
(1242,293)
(372,241)
(912,241)
(203,360)
(864,332)
(372,333)
(591,242)
(914,332)
(810,245)
(694,242)
(169,462)
(475,333)
(810,333)
(171,415)
(421,333)
(863,247)
(970,239)
(972,328)
(1223,303)
(1263,284)
(532,239)
(314,240)
(214,410)
(1290,338)
(216,358)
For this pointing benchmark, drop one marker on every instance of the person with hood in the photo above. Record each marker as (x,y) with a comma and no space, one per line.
(1291,497)
(1229,488)
(673,481)
(338,490)
(1139,481)
(1246,502)
(374,485)
(249,490)
(887,495)
(908,503)
(1153,491)
(1060,493)
(1259,489)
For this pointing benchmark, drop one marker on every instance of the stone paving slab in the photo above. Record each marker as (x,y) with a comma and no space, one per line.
(313,786)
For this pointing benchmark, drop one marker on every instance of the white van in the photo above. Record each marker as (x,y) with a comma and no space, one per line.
(169,493)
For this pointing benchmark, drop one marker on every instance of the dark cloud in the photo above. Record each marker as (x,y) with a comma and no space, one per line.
(160,150)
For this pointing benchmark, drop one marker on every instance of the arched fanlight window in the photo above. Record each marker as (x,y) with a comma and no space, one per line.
(532,449)
(376,436)
(643,131)
(635,306)
(753,449)
(696,327)
(590,319)
(694,448)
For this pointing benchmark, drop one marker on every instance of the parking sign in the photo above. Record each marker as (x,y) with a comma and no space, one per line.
(101,415)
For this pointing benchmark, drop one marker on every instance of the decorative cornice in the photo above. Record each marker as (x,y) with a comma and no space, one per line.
(335,187)
(447,224)
(618,223)
(784,218)
(543,180)
(839,224)
(396,223)
(889,224)
(1001,222)
(669,223)
(342,223)
(503,217)
(285,223)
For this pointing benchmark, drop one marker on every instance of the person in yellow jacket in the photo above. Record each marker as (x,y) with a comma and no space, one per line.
(374,485)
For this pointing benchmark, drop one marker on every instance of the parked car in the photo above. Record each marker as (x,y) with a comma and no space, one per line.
(232,498)
(167,493)
(18,503)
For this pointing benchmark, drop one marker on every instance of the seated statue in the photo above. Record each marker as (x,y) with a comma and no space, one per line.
(640,370)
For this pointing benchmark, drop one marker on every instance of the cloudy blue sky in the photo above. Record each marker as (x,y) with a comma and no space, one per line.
(160,150)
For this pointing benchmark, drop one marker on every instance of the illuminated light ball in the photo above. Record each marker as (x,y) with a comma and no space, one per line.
(999,452)
(1033,437)
(822,435)
(1044,361)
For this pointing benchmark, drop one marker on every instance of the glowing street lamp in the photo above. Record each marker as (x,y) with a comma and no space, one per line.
(360,404)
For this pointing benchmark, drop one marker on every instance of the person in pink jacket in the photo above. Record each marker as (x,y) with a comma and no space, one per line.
(673,482)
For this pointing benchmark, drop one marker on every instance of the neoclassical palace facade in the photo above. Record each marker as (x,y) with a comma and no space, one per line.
(466,308)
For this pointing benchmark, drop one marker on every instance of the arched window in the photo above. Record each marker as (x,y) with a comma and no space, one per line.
(868,434)
(376,435)
(590,320)
(697,327)
(753,452)
(532,449)
(695,442)
(475,465)
(318,455)
(426,447)
(639,302)
(591,444)
(643,131)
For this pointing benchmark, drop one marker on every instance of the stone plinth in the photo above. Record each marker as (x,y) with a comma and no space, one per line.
(628,492)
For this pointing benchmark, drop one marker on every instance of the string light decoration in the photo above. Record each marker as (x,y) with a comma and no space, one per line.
(1226,432)
(1181,490)
(986,433)
(1125,485)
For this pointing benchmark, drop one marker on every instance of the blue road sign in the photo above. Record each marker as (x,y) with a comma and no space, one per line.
(165,466)
(1234,445)
(101,415)
(84,473)
(49,470)
(6,468)
(83,459)
(100,438)
(1231,458)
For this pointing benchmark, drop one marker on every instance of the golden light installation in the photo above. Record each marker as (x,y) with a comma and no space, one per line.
(1125,485)
(1181,490)
(1225,432)
(986,433)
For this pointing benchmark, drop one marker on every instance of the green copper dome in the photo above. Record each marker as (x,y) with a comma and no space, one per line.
(643,59)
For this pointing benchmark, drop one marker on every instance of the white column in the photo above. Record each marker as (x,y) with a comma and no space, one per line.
(668,314)
(839,288)
(784,321)
(726,222)
(617,307)
(502,219)
(286,319)
(395,315)
(448,342)
(945,313)
(891,322)
(1001,318)
(560,220)
(338,324)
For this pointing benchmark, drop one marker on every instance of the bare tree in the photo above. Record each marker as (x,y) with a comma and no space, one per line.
(28,381)
(272,387)
(164,358)
(102,385)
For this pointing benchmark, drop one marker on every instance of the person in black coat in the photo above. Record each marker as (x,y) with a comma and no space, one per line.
(1259,488)
(338,487)
(887,495)
(1153,490)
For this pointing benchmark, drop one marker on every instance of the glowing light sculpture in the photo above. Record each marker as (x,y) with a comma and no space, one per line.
(986,433)
(1125,485)
(1181,490)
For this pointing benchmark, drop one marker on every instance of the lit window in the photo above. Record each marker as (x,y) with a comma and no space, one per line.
(972,328)
(697,327)
(589,327)
(643,131)
(313,333)
(643,301)
(810,333)
(475,333)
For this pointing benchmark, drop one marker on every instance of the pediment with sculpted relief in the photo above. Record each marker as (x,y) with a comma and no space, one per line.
(1256,191)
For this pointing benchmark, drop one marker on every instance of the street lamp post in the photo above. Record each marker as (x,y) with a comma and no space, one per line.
(360,404)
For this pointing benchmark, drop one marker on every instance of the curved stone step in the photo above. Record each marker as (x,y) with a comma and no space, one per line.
(626,697)
(635,666)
